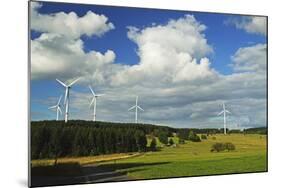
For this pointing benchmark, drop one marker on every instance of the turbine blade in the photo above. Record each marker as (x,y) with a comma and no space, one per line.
(73,82)
(61,83)
(59,110)
(99,95)
(140,108)
(92,90)
(227,111)
(132,107)
(220,113)
(93,100)
(59,101)
(52,107)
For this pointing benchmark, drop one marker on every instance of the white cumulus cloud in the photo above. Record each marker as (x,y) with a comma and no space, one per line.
(170,53)
(251,24)
(251,58)
(69,24)
(59,52)
(56,56)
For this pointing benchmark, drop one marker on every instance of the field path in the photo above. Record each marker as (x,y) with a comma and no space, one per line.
(95,174)
(91,173)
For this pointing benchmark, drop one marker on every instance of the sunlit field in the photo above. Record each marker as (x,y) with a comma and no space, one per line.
(189,159)
(195,158)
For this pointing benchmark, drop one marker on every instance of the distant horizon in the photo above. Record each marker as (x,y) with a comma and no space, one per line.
(181,64)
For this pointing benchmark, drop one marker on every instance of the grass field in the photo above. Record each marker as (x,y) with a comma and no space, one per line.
(189,159)
(83,160)
(195,158)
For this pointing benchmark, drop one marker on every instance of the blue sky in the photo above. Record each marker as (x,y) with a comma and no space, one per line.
(224,35)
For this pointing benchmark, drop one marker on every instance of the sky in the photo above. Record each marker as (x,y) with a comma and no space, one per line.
(182,65)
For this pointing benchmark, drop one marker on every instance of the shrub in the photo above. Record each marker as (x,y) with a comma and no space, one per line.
(229,146)
(218,147)
(193,137)
(196,139)
(203,136)
(181,141)
(222,146)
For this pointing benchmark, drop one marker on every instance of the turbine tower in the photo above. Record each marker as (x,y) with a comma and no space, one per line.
(136,107)
(66,97)
(57,107)
(224,111)
(94,100)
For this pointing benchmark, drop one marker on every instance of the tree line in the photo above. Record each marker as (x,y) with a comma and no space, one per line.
(53,139)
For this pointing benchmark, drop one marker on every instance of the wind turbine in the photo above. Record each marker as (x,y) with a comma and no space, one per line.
(224,111)
(94,100)
(57,107)
(238,125)
(66,97)
(136,107)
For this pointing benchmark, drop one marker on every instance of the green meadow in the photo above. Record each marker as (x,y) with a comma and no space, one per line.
(179,160)
(195,158)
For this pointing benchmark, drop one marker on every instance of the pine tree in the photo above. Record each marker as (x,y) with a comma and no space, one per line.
(153,144)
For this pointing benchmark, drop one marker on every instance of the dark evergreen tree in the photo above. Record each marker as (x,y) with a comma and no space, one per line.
(193,137)
(56,144)
(163,137)
(153,144)
(171,142)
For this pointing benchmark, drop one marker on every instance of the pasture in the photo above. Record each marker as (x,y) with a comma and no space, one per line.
(195,158)
(189,159)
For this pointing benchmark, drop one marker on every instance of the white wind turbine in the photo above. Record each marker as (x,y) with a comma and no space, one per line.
(66,97)
(57,107)
(136,107)
(94,100)
(237,125)
(224,111)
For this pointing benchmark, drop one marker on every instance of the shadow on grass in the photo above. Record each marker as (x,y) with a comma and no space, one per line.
(73,173)
(64,169)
